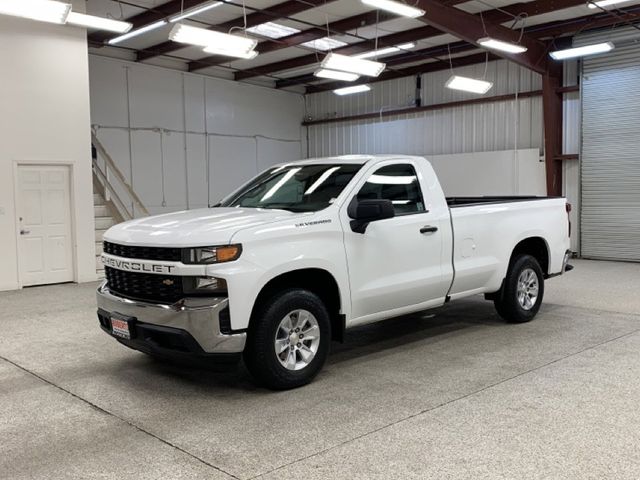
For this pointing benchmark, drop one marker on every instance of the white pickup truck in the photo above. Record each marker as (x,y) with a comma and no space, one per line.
(307,249)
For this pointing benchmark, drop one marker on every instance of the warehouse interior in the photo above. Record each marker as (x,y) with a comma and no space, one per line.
(112,121)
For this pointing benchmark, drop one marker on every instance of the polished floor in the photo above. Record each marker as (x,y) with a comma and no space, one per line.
(454,393)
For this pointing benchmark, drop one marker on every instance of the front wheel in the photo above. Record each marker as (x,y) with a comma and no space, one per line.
(523,290)
(288,341)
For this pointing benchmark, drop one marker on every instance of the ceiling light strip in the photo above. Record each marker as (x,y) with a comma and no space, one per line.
(136,32)
(398,8)
(194,11)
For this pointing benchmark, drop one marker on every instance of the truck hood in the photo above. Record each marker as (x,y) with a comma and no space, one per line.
(193,228)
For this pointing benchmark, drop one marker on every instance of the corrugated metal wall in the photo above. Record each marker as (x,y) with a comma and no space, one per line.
(501,125)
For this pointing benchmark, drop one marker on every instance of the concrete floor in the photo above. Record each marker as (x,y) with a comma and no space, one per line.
(454,393)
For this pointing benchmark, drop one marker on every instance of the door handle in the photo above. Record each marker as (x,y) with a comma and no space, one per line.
(428,229)
(24,232)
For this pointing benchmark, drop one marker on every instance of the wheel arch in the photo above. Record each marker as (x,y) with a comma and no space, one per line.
(535,246)
(316,280)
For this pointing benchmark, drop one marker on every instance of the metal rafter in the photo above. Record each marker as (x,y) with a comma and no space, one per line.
(470,28)
(284,9)
(498,15)
(151,15)
(540,31)
(426,53)
(364,46)
(338,27)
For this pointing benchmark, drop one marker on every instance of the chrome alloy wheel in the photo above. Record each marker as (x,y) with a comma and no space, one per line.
(297,339)
(527,291)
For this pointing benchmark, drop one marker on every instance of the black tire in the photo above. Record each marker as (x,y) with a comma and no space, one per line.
(260,353)
(507,304)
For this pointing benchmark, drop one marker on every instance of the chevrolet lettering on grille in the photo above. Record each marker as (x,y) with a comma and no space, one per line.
(134,266)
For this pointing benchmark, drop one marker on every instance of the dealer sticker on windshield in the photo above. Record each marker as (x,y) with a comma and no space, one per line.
(120,328)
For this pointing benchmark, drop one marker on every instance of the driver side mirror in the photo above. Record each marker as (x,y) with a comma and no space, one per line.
(364,212)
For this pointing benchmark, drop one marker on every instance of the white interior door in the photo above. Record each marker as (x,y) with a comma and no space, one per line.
(44,223)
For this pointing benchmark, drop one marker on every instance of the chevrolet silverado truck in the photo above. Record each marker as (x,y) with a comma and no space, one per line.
(308,249)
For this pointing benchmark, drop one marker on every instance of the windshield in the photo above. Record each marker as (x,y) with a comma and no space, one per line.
(298,188)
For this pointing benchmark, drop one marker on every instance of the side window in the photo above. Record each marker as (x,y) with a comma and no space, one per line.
(398,183)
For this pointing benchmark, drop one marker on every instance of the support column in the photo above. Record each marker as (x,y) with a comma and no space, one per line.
(552,113)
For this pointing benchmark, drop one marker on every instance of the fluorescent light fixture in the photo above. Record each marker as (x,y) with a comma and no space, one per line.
(100,23)
(233,45)
(272,30)
(582,51)
(350,90)
(386,51)
(336,75)
(138,31)
(324,44)
(466,84)
(194,11)
(501,45)
(41,10)
(344,63)
(215,50)
(605,3)
(395,7)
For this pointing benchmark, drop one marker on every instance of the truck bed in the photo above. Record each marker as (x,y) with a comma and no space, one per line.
(454,202)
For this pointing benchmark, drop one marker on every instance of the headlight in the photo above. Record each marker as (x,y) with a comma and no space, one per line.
(208,255)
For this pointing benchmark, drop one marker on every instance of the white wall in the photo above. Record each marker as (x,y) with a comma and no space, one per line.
(44,96)
(504,125)
(186,140)
(519,172)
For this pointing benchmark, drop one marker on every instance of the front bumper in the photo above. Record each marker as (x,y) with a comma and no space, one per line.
(197,319)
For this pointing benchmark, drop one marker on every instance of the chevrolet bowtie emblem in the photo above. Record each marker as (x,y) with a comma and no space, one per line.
(168,282)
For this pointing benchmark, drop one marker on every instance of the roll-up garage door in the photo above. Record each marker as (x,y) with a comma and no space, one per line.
(610,217)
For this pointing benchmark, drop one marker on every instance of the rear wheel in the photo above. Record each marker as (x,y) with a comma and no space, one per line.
(523,290)
(288,341)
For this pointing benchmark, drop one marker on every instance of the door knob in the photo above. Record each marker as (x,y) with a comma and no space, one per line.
(428,229)
(24,232)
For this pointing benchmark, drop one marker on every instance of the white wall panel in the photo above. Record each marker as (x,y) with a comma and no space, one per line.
(44,97)
(493,126)
(271,152)
(149,103)
(233,161)
(197,171)
(517,172)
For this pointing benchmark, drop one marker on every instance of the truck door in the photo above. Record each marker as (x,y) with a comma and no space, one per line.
(397,263)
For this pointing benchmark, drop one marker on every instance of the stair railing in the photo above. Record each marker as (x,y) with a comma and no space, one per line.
(110,178)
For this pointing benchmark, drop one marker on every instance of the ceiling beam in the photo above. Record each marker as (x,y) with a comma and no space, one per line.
(586,22)
(281,10)
(151,15)
(470,28)
(427,108)
(338,27)
(501,15)
(544,30)
(423,54)
(364,46)
(434,66)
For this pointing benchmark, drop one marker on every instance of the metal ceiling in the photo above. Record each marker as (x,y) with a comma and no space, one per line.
(287,63)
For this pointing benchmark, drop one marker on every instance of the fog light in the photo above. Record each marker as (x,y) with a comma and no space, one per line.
(206,283)
(204,286)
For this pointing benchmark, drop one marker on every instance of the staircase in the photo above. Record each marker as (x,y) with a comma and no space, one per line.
(114,200)
(103,220)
